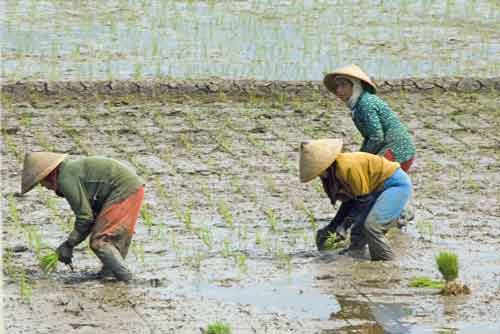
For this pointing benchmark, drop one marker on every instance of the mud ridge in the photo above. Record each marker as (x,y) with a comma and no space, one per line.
(238,88)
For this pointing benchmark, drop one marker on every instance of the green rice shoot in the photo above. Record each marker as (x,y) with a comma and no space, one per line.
(218,327)
(48,263)
(447,263)
(331,242)
(425,282)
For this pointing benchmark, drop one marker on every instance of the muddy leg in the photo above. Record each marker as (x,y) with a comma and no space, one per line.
(110,257)
(384,214)
(380,249)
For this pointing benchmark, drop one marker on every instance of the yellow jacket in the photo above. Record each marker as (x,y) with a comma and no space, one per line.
(362,173)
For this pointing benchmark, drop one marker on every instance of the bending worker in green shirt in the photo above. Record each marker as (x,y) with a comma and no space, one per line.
(372,189)
(105,196)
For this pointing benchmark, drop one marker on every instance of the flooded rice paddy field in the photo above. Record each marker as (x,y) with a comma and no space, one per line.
(265,40)
(227,232)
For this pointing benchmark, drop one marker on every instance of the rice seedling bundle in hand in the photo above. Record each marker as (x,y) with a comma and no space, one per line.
(48,262)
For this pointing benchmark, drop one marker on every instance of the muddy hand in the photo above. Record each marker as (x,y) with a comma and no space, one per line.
(321,237)
(65,253)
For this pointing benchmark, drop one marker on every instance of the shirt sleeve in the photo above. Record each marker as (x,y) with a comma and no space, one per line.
(371,129)
(77,198)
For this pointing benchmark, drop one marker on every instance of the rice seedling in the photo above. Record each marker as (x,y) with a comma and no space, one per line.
(331,242)
(138,71)
(160,189)
(241,262)
(226,214)
(447,263)
(147,216)
(25,288)
(196,260)
(258,238)
(185,142)
(138,251)
(310,218)
(243,233)
(34,237)
(174,242)
(272,220)
(218,327)
(285,260)
(48,262)
(186,218)
(425,282)
(225,252)
(206,192)
(14,214)
(192,120)
(206,237)
(319,188)
(425,229)
(7,263)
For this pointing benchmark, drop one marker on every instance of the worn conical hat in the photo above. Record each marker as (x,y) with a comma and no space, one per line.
(316,156)
(350,71)
(37,165)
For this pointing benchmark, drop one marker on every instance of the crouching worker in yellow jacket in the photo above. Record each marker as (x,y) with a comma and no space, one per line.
(372,189)
(105,196)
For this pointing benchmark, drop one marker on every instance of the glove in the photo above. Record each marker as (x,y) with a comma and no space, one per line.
(65,253)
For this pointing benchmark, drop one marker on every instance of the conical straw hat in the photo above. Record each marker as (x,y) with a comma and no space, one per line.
(316,156)
(37,165)
(350,71)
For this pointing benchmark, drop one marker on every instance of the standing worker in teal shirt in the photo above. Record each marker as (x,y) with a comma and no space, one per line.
(106,198)
(382,131)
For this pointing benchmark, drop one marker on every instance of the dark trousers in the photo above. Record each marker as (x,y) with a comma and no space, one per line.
(352,215)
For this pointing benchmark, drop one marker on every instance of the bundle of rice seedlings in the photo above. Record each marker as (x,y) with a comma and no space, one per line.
(48,262)
(447,263)
(218,327)
(425,282)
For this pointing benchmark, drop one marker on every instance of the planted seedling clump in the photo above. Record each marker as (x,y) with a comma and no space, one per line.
(447,263)
(218,328)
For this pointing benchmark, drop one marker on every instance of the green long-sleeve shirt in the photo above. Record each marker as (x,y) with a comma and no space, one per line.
(381,128)
(91,184)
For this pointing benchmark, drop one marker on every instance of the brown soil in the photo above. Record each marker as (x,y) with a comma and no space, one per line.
(218,161)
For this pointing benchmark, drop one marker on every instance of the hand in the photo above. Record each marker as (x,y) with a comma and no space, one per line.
(321,237)
(65,253)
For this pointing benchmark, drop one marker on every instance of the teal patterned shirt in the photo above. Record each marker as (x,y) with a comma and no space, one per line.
(381,128)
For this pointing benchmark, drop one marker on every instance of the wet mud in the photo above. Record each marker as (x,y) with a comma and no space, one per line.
(228,229)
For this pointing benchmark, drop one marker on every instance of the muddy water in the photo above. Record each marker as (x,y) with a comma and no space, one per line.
(271,40)
(230,237)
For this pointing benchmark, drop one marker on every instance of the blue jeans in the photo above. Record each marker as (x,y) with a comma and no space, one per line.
(391,202)
(386,210)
